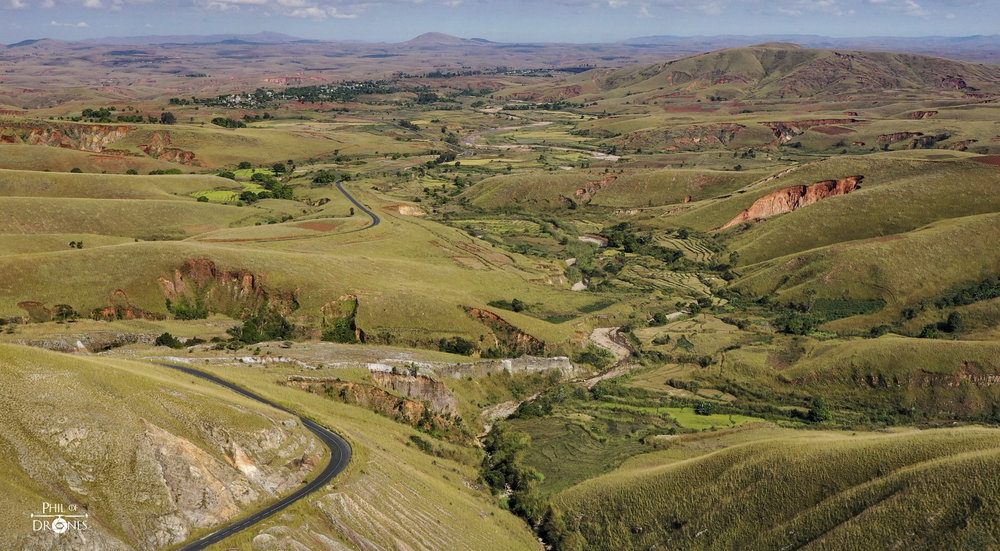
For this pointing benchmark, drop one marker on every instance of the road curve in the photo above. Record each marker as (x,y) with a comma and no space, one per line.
(340,456)
(375,219)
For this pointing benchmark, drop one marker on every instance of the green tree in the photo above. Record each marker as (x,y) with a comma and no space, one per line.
(167,117)
(819,411)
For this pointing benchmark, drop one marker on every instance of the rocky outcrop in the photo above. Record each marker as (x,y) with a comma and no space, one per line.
(236,293)
(412,412)
(785,131)
(159,148)
(955,82)
(510,340)
(407,210)
(122,309)
(418,387)
(586,193)
(922,114)
(524,364)
(84,137)
(794,198)
(897,137)
(963,145)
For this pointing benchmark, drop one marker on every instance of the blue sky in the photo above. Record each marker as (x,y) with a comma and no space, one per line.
(499,20)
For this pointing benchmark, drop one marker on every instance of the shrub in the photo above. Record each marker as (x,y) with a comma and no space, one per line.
(166,339)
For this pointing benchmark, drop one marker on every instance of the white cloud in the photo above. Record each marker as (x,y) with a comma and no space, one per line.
(80,25)
(18,4)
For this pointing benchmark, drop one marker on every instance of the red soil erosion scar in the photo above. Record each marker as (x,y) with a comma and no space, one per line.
(794,198)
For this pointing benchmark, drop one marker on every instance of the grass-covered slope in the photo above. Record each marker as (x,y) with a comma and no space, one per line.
(393,496)
(150,456)
(900,269)
(913,490)
(896,196)
(785,70)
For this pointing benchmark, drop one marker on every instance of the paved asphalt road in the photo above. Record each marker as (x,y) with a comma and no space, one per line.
(340,456)
(375,219)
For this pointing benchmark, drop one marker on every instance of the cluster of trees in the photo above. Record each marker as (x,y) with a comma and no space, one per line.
(624,236)
(408,125)
(168,340)
(273,189)
(183,309)
(457,345)
(504,470)
(256,118)
(227,122)
(342,330)
(265,325)
(967,294)
(104,114)
(76,244)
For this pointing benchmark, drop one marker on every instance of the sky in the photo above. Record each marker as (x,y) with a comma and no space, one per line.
(498,20)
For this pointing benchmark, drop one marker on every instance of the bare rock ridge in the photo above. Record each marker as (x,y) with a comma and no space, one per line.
(93,138)
(794,198)
(83,137)
(237,293)
(508,337)
(159,148)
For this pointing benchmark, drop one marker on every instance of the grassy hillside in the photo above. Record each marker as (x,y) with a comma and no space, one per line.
(784,70)
(393,495)
(813,490)
(901,269)
(127,442)
(896,196)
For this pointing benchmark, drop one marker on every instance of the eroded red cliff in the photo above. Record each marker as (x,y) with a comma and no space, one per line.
(794,198)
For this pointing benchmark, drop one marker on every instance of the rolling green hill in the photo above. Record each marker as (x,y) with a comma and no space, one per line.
(811,490)
(778,70)
(129,444)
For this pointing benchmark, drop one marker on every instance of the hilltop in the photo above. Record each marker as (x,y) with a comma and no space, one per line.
(778,70)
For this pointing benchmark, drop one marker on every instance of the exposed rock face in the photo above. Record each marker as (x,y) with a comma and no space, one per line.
(586,193)
(897,137)
(413,412)
(418,387)
(524,364)
(963,145)
(785,131)
(407,210)
(236,293)
(159,148)
(84,137)
(510,339)
(793,198)
(122,309)
(922,114)
(955,82)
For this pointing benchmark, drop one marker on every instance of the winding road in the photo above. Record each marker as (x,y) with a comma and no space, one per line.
(375,221)
(340,456)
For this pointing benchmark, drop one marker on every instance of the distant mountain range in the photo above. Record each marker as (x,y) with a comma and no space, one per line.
(264,37)
(981,48)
